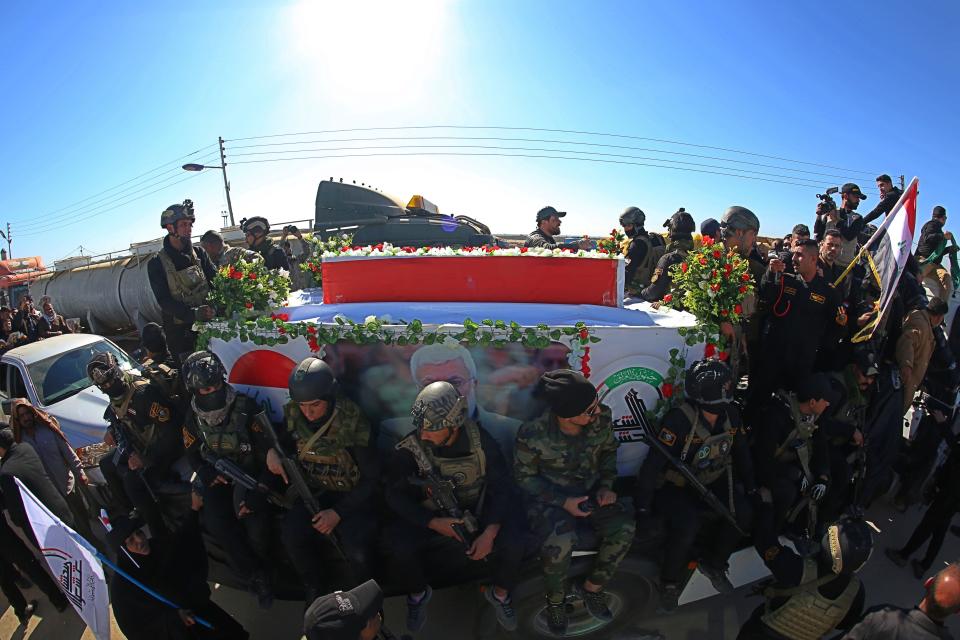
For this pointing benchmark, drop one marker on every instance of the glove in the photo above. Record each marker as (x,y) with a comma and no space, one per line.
(818,491)
(803,484)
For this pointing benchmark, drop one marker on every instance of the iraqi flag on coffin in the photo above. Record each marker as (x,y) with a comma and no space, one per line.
(263,372)
(887,253)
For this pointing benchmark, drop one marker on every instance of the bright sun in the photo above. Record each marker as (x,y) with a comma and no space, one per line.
(364,49)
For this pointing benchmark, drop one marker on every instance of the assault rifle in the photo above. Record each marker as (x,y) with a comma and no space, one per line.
(230,469)
(296,478)
(639,411)
(439,490)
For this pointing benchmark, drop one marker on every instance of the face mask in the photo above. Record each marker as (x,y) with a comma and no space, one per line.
(211,401)
(115,389)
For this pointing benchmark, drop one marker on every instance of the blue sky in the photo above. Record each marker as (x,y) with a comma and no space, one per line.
(98,93)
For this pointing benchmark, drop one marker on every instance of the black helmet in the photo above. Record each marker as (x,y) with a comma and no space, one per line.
(439,406)
(681,223)
(176,212)
(634,216)
(847,545)
(739,218)
(313,379)
(202,369)
(256,224)
(103,369)
(709,383)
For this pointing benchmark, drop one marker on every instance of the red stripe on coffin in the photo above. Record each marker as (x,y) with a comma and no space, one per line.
(486,279)
(262,368)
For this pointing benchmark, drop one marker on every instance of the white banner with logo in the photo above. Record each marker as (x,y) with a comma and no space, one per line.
(74,566)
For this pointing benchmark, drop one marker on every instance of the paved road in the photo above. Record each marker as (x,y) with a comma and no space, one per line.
(453,610)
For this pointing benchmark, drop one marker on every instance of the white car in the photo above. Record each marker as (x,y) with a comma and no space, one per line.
(52,375)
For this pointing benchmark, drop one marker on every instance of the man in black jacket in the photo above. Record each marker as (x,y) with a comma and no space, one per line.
(180,276)
(257,232)
(457,450)
(932,247)
(889,195)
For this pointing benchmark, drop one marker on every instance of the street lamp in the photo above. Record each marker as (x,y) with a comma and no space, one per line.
(192,166)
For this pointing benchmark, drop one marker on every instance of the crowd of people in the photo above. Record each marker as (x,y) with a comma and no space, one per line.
(794,434)
(29,324)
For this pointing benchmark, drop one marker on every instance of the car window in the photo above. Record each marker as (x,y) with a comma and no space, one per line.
(18,389)
(4,391)
(65,374)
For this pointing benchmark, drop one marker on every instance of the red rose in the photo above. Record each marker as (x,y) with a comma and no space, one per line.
(717,254)
(285,317)
(252,275)
(281,330)
(713,274)
(524,249)
(379,247)
(312,330)
(667,390)
(703,261)
(745,276)
(313,344)
(707,241)
(248,305)
(584,334)
(742,289)
(344,249)
(728,269)
(684,266)
(738,309)
(668,297)
(724,313)
(715,287)
(709,350)
(603,251)
(723,355)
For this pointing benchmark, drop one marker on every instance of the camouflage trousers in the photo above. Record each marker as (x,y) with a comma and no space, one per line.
(614,525)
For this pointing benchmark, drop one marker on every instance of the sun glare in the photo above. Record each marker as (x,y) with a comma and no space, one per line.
(365,49)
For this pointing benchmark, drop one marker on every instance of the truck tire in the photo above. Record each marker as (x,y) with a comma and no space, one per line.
(632,596)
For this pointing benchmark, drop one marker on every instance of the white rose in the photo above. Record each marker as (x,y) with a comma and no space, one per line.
(370,319)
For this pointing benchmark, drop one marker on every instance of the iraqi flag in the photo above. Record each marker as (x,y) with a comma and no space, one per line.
(887,253)
(73,563)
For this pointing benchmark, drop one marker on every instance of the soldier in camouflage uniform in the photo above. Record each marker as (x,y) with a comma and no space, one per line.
(222,255)
(331,444)
(705,433)
(222,424)
(562,459)
(466,460)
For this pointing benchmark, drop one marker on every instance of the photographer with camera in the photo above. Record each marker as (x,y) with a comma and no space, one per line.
(843,219)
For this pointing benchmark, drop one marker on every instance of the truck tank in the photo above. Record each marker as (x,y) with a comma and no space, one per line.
(107,296)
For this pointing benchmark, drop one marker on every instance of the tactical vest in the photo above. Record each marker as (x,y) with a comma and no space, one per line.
(468,473)
(189,285)
(712,458)
(854,410)
(808,614)
(323,452)
(644,271)
(141,435)
(162,375)
(797,445)
(230,439)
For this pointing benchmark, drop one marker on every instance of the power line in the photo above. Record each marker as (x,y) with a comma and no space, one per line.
(535,149)
(117,206)
(140,186)
(192,153)
(505,139)
(566,131)
(536,156)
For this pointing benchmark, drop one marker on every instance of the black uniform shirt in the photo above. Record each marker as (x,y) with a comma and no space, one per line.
(893,623)
(673,435)
(931,237)
(150,406)
(661,281)
(772,425)
(273,256)
(885,206)
(803,315)
(540,238)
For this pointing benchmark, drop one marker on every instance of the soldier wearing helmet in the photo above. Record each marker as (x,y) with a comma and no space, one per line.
(641,250)
(180,276)
(148,430)
(563,461)
(256,230)
(331,444)
(811,596)
(449,444)
(681,227)
(704,432)
(222,425)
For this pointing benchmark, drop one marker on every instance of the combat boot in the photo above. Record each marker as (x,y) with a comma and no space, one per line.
(557,617)
(596,602)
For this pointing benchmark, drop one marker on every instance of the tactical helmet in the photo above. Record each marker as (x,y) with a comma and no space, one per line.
(634,216)
(176,212)
(313,379)
(681,223)
(739,218)
(439,406)
(103,369)
(847,544)
(709,383)
(256,224)
(202,369)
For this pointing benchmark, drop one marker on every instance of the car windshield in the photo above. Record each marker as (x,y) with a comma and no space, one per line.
(65,374)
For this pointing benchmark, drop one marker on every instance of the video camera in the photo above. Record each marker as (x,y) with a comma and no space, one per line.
(827,203)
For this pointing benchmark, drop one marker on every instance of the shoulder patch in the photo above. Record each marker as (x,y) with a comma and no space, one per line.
(790,291)
(841,318)
(667,437)
(159,412)
(188,438)
(816,297)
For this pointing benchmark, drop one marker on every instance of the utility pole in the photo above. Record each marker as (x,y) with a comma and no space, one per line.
(8,236)
(226,183)
(902,183)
